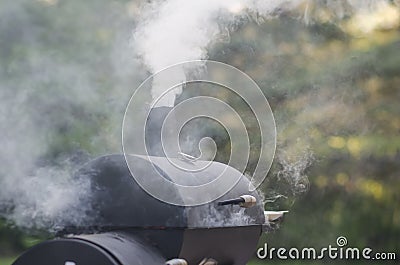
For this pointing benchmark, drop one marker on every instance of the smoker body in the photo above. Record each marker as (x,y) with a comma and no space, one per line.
(228,246)
(132,227)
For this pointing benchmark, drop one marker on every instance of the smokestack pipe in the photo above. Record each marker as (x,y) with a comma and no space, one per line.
(153,128)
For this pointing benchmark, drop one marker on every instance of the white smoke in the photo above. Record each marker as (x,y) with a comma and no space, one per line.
(51,99)
(174,31)
(211,216)
(170,32)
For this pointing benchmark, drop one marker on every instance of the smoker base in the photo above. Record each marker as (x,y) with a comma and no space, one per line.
(98,249)
(66,252)
(227,245)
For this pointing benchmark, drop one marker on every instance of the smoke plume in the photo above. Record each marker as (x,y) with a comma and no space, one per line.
(174,31)
(56,112)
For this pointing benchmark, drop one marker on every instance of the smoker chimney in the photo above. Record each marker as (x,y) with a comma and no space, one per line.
(153,128)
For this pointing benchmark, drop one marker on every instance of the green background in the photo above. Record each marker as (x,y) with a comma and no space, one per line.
(333,87)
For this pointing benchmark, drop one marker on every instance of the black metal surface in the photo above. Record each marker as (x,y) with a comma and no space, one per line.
(125,247)
(153,130)
(227,245)
(66,252)
(112,248)
(231,202)
(132,227)
(118,201)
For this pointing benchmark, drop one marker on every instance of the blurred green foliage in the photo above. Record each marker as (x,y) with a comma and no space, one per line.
(6,261)
(334,89)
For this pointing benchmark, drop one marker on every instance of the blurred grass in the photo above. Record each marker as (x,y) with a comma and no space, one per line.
(7,261)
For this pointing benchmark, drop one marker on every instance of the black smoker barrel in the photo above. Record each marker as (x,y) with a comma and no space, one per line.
(132,227)
(127,226)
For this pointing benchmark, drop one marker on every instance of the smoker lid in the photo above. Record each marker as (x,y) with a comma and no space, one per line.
(118,201)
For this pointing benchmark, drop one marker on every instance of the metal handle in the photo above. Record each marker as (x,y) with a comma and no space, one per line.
(245,201)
